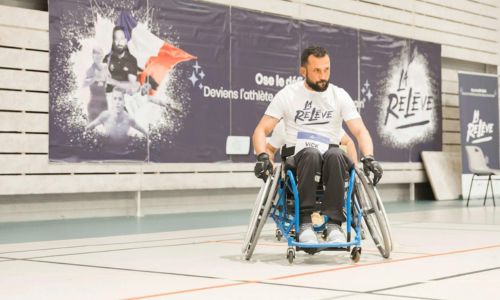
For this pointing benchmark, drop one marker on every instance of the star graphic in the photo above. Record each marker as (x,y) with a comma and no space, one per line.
(196,67)
(369,95)
(202,75)
(367,85)
(193,78)
(200,85)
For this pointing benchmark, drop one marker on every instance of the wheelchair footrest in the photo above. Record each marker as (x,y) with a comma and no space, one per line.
(319,249)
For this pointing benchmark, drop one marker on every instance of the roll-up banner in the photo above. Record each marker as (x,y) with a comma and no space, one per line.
(478,98)
(188,81)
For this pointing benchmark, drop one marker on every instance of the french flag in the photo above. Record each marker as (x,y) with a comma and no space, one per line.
(154,56)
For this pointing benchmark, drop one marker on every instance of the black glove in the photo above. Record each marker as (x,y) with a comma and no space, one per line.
(263,167)
(371,165)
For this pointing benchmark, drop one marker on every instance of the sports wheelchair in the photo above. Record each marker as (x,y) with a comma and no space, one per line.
(278,198)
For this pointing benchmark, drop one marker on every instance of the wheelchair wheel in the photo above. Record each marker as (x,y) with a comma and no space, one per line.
(260,213)
(355,221)
(384,215)
(373,214)
(381,205)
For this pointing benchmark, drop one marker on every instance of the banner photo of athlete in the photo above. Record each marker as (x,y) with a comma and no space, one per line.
(478,98)
(400,95)
(120,86)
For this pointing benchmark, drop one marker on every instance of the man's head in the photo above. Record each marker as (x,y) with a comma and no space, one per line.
(117,100)
(119,40)
(315,68)
(97,55)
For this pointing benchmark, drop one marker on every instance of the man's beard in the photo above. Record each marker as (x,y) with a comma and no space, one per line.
(316,86)
(118,50)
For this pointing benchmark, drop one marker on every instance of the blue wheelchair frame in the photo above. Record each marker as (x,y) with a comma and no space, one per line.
(286,221)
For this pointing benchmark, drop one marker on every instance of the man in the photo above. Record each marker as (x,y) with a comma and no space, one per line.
(95,79)
(122,65)
(312,111)
(116,123)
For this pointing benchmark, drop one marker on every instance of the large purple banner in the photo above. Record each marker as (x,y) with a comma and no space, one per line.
(400,95)
(478,97)
(175,81)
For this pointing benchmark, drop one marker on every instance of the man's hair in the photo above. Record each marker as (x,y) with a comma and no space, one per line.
(117,28)
(316,51)
(118,90)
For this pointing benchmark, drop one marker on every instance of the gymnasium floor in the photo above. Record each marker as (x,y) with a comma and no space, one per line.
(443,250)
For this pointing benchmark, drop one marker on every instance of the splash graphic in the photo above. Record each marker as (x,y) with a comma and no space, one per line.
(407,110)
(85,114)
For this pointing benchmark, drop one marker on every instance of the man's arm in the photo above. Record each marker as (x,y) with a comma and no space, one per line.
(90,77)
(130,87)
(271,151)
(351,147)
(138,127)
(358,129)
(263,129)
(99,120)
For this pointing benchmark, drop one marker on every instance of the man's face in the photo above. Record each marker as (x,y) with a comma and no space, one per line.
(317,72)
(97,56)
(118,101)
(119,41)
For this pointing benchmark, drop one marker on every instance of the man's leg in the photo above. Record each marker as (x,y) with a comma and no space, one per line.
(336,166)
(308,163)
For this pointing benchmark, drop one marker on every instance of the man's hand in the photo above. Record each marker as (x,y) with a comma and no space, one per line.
(263,168)
(371,165)
(145,88)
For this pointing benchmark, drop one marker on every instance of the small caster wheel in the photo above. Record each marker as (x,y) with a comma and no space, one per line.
(279,235)
(355,254)
(290,255)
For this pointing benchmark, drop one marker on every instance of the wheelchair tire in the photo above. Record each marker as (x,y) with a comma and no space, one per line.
(382,208)
(260,213)
(373,214)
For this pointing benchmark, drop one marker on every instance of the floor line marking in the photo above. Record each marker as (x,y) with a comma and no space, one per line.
(317,272)
(374,250)
(120,249)
(125,269)
(389,261)
(120,243)
(340,290)
(465,274)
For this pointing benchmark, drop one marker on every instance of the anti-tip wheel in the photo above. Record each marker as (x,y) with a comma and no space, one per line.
(356,254)
(290,255)
(279,235)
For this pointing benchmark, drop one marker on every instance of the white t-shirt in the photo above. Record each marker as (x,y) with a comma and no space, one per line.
(321,113)
(277,139)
